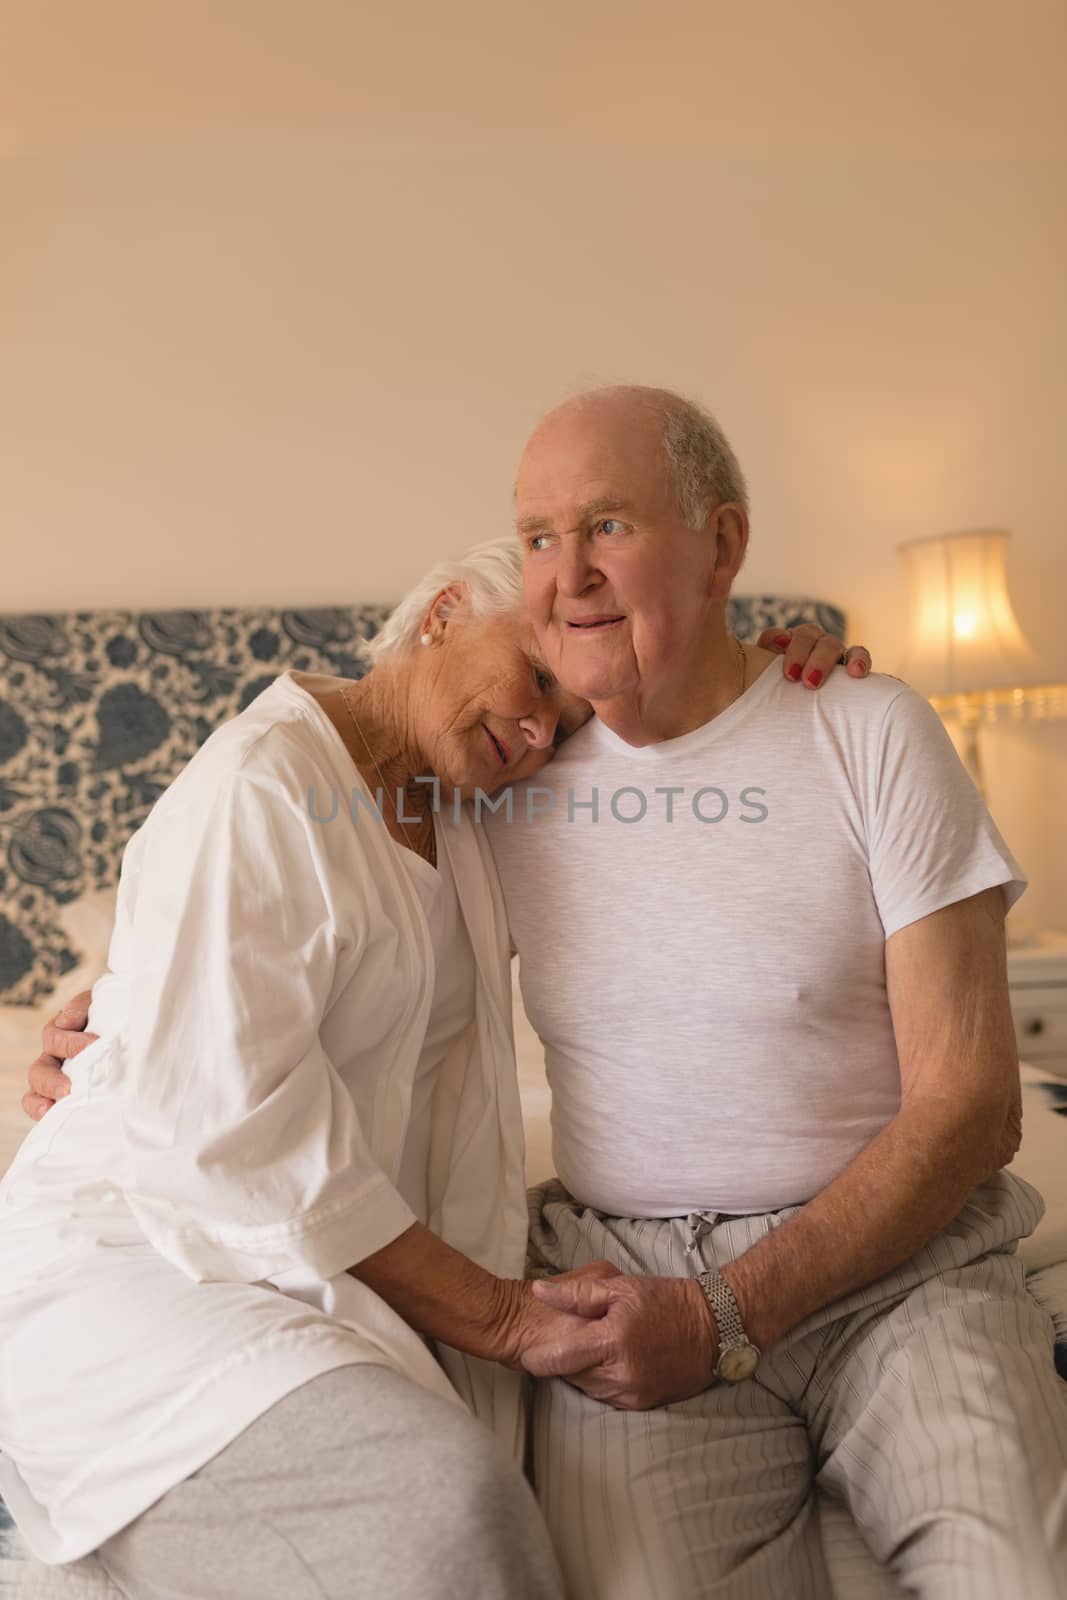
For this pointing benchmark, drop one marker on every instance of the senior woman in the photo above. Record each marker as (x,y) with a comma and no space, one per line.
(294,1148)
(293,1155)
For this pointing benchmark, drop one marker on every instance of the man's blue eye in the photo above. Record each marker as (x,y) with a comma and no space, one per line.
(545,682)
(610,525)
(535,541)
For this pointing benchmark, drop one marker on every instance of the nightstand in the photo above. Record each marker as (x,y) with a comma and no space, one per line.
(1037,980)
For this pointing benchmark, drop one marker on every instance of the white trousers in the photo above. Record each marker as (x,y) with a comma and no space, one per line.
(926,1406)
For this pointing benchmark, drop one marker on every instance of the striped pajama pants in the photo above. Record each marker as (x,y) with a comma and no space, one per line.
(927,1404)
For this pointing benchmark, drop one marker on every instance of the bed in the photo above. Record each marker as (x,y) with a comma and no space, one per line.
(98,713)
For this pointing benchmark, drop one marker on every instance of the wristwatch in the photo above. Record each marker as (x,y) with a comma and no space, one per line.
(738,1356)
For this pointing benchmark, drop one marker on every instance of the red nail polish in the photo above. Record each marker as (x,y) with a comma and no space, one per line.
(782,641)
(793,671)
(815,677)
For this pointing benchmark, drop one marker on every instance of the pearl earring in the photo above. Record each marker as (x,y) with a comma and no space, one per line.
(426,639)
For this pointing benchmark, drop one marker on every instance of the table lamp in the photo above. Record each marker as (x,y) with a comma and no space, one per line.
(966,652)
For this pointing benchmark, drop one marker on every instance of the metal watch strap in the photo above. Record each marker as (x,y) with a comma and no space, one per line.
(727,1314)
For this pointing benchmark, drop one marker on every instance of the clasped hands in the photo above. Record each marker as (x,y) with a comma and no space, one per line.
(641,1342)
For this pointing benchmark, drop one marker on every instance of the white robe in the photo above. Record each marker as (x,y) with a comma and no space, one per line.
(174,1236)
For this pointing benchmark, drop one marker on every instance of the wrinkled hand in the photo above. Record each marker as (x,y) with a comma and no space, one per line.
(809,651)
(62,1039)
(527,1323)
(646,1341)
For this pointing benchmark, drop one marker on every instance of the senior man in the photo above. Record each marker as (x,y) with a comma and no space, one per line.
(765,953)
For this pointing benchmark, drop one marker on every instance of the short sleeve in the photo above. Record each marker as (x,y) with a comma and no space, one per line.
(246,1156)
(931,840)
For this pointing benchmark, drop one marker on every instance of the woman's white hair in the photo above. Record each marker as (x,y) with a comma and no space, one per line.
(491,576)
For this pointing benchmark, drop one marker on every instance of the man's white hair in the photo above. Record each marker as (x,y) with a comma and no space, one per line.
(702,470)
(700,459)
(491,575)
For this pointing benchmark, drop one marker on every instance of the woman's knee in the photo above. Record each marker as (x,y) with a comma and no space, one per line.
(480,1516)
(359,1484)
(430,1492)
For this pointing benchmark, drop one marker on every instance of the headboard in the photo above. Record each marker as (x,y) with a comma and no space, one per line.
(100,710)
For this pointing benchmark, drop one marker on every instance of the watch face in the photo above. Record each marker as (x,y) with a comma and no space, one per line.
(739,1362)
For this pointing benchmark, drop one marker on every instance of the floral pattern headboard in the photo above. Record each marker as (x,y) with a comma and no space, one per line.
(100,710)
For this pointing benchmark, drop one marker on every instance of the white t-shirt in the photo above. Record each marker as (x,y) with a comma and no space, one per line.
(706,967)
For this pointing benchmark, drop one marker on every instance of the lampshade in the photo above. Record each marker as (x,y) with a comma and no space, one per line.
(963,637)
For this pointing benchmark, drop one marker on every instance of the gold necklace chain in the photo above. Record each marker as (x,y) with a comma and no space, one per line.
(742,661)
(431,854)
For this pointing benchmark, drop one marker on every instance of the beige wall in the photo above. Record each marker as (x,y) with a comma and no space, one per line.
(282,286)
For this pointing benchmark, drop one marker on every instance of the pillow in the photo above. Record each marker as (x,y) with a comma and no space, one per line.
(87,923)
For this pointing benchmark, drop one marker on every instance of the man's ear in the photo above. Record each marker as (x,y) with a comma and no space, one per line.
(445,604)
(729,529)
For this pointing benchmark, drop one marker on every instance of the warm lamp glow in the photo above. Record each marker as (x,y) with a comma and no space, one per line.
(964,638)
(966,653)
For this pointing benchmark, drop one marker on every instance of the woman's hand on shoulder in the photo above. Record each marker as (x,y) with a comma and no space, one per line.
(809,655)
(61,1039)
